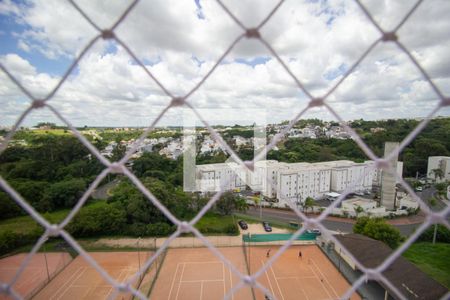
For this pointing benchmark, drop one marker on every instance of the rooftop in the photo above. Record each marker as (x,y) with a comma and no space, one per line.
(409,280)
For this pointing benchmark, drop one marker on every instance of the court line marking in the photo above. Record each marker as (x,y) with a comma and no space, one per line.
(173,281)
(202,280)
(86,285)
(223,276)
(231,284)
(202,262)
(268,279)
(179,284)
(295,277)
(67,282)
(71,283)
(196,281)
(111,288)
(332,288)
(201,291)
(302,289)
(276,281)
(321,282)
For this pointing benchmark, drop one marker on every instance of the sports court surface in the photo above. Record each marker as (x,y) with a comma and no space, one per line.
(195,273)
(35,274)
(81,281)
(310,276)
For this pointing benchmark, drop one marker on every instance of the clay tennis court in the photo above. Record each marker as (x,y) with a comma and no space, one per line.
(35,274)
(195,273)
(81,281)
(311,276)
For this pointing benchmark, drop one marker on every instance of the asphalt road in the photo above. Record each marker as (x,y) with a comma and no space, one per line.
(287,216)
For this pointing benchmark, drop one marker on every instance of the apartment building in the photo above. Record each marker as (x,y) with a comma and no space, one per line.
(214,177)
(288,182)
(438,168)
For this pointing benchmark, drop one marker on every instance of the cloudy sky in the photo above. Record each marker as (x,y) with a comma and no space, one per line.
(180,40)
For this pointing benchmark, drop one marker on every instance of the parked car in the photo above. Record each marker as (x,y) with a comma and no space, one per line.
(243,224)
(315,231)
(267,226)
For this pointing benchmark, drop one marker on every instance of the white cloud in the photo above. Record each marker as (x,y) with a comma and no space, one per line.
(317,40)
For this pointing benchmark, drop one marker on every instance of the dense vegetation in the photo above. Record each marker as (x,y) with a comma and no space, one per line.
(52,172)
(378,229)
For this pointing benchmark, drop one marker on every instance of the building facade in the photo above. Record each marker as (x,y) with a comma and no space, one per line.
(289,182)
(438,168)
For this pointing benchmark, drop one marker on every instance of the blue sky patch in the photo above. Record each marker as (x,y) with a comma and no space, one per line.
(334,73)
(260,60)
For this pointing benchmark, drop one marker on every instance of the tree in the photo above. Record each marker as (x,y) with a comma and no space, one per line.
(358,210)
(98,219)
(8,207)
(229,202)
(64,193)
(240,204)
(225,204)
(378,229)
(438,173)
(139,209)
(309,203)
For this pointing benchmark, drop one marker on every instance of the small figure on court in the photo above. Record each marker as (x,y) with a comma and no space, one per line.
(268,253)
(299,254)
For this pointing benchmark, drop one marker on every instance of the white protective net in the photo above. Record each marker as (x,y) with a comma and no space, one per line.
(177,101)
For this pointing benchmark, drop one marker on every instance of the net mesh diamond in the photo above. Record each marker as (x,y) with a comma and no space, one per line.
(52,230)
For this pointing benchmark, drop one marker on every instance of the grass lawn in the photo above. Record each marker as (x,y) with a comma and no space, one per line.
(52,131)
(431,259)
(26,224)
(213,224)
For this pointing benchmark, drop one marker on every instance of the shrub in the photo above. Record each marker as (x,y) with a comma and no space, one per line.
(159,229)
(136,229)
(232,229)
(98,219)
(378,229)
(442,234)
(10,240)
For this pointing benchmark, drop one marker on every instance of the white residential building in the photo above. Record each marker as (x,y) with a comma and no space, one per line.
(298,181)
(240,141)
(439,162)
(346,173)
(214,177)
(209,145)
(288,182)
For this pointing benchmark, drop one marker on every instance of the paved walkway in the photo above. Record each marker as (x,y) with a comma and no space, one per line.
(184,242)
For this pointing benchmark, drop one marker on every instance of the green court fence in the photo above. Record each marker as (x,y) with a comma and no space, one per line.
(274,237)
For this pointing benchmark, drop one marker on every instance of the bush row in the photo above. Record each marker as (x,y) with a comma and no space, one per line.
(10,240)
(442,234)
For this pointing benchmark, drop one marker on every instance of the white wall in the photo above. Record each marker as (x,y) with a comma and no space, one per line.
(439,162)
